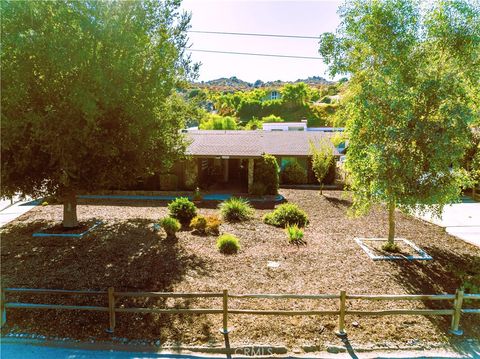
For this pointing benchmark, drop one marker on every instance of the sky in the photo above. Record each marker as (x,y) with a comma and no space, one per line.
(303,18)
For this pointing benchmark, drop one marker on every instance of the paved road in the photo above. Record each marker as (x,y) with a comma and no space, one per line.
(461,220)
(20,351)
(9,213)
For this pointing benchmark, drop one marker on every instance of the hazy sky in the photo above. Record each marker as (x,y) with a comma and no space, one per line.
(304,18)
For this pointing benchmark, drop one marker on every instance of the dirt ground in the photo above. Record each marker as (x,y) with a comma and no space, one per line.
(127,254)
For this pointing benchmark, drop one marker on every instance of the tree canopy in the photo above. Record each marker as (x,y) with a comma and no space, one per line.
(408,105)
(87,92)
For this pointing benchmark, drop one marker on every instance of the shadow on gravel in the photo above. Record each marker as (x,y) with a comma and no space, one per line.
(447,272)
(127,255)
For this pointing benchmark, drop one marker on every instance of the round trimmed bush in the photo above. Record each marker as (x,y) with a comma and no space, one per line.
(213,224)
(199,224)
(236,210)
(228,244)
(170,226)
(182,209)
(286,214)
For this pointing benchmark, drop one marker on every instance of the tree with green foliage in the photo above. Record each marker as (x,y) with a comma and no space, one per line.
(266,171)
(322,160)
(87,94)
(217,122)
(407,105)
(295,94)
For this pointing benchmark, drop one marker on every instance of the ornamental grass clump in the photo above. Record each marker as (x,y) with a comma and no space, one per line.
(286,214)
(182,209)
(170,225)
(228,244)
(295,234)
(236,210)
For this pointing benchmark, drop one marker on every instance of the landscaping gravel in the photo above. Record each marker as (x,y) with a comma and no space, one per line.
(126,253)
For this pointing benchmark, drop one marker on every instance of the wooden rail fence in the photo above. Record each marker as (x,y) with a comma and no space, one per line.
(455,311)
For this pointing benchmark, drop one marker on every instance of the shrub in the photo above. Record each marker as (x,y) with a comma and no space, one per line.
(266,172)
(236,210)
(182,209)
(213,224)
(197,195)
(228,244)
(198,224)
(170,226)
(205,225)
(258,189)
(272,118)
(294,173)
(286,214)
(295,234)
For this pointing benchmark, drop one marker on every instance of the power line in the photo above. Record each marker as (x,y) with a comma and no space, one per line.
(256,54)
(254,34)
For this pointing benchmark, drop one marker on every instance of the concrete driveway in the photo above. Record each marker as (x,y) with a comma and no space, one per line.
(461,220)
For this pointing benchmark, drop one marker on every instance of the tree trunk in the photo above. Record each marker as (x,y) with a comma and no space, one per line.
(391,223)
(70,210)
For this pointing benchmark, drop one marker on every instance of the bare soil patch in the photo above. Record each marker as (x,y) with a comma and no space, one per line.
(127,254)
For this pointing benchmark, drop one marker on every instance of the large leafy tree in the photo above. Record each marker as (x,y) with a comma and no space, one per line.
(87,92)
(412,66)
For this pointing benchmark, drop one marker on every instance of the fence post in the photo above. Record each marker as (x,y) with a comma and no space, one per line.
(457,311)
(3,311)
(225,330)
(341,319)
(111,309)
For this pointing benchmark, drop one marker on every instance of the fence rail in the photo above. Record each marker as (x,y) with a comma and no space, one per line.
(455,311)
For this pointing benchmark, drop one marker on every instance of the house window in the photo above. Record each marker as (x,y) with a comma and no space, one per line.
(286,160)
(274,95)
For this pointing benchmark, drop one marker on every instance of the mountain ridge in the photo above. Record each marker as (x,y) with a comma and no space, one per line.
(234,82)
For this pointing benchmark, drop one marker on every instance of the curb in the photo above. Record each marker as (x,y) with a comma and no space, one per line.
(248,351)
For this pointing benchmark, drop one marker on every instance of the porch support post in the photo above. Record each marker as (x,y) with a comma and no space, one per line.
(250,173)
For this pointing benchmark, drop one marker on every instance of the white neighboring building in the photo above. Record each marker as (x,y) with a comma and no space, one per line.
(285,126)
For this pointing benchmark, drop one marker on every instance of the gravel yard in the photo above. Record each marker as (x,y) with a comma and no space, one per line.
(127,254)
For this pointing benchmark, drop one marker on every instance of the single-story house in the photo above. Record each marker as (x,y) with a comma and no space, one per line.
(226,158)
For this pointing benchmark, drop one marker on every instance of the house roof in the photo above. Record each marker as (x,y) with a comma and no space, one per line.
(208,143)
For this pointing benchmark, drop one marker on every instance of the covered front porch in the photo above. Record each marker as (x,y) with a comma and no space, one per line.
(225,174)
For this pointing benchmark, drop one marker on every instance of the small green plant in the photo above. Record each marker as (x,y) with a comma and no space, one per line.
(198,224)
(236,210)
(228,244)
(285,215)
(213,224)
(391,247)
(182,209)
(170,226)
(197,196)
(44,203)
(295,234)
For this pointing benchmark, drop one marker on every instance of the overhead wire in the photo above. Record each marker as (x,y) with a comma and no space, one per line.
(253,34)
(255,54)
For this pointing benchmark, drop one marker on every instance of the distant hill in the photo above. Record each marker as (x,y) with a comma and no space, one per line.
(234,83)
